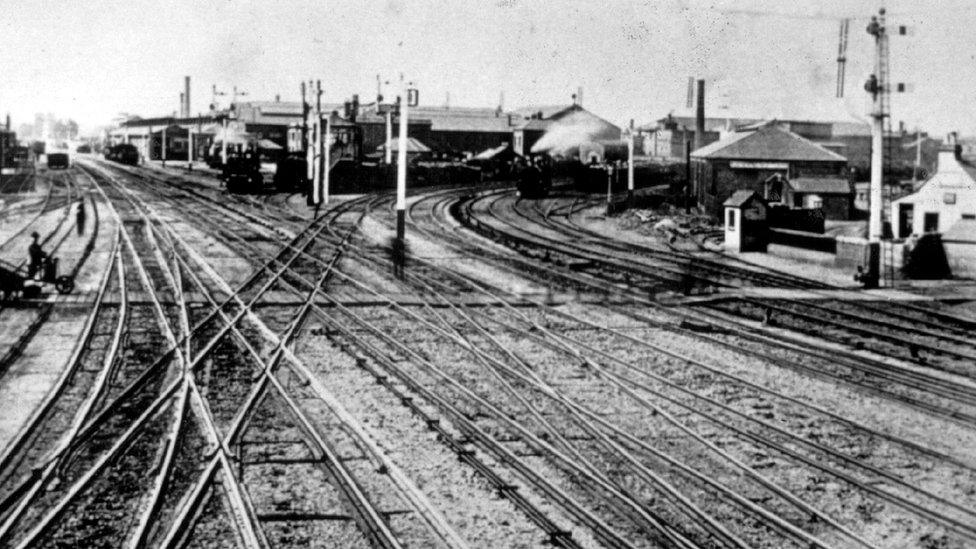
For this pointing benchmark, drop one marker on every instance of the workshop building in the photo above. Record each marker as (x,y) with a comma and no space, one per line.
(746,160)
(572,122)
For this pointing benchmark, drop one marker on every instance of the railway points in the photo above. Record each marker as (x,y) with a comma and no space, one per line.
(199,277)
(248,323)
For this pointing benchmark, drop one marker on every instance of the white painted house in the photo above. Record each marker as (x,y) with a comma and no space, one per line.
(948,197)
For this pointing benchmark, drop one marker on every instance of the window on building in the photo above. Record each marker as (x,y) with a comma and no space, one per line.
(930,222)
(969,216)
(731,221)
(949,198)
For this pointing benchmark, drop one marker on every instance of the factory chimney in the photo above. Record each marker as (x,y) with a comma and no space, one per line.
(579,96)
(700,116)
(186,97)
(182,105)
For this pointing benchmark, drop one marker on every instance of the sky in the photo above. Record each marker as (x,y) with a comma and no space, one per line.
(760,58)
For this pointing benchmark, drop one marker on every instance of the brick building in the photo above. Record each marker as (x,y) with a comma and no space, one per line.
(746,160)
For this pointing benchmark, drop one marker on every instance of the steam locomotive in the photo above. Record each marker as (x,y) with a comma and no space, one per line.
(123,153)
(534,177)
(586,164)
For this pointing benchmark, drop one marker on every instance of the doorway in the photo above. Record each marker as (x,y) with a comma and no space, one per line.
(906,218)
(931,222)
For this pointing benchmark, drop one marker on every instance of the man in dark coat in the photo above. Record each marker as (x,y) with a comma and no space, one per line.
(36,255)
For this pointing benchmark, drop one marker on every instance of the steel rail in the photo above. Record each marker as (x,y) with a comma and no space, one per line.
(375,526)
(557,536)
(641,250)
(712,369)
(378,529)
(555,395)
(741,331)
(241,507)
(562,540)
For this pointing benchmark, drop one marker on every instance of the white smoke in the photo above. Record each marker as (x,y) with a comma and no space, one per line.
(568,133)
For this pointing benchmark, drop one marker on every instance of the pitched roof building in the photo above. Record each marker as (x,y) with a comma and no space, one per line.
(945,199)
(747,160)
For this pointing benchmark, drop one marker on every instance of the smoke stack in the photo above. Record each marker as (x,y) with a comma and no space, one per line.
(355,107)
(186,97)
(579,96)
(182,105)
(8,121)
(700,116)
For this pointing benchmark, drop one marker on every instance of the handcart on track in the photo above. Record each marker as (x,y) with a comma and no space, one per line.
(17,282)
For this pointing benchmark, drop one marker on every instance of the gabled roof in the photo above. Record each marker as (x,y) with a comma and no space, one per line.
(741,197)
(548,111)
(413,145)
(820,186)
(767,143)
(712,124)
(464,119)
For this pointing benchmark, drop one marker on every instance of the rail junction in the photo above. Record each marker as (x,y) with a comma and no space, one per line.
(233,370)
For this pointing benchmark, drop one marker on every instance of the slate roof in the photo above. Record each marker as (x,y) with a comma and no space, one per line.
(820,186)
(768,143)
(740,197)
(464,119)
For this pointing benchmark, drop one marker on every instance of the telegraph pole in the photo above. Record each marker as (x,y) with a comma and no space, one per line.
(401,196)
(630,162)
(876,86)
(326,144)
(304,127)
(316,155)
(388,153)
(223,141)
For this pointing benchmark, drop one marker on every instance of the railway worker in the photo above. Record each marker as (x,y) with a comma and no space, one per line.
(36,255)
(80,218)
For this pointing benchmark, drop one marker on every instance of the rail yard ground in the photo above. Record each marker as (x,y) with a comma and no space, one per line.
(233,370)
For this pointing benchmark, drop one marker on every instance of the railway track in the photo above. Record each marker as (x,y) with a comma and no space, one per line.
(908,444)
(240,421)
(252,415)
(904,330)
(872,372)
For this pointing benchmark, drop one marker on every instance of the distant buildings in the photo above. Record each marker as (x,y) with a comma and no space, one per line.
(442,129)
(665,139)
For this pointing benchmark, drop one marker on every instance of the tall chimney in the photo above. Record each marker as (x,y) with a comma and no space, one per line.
(182,104)
(579,96)
(186,97)
(700,116)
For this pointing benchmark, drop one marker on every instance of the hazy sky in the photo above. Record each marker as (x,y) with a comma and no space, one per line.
(94,59)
